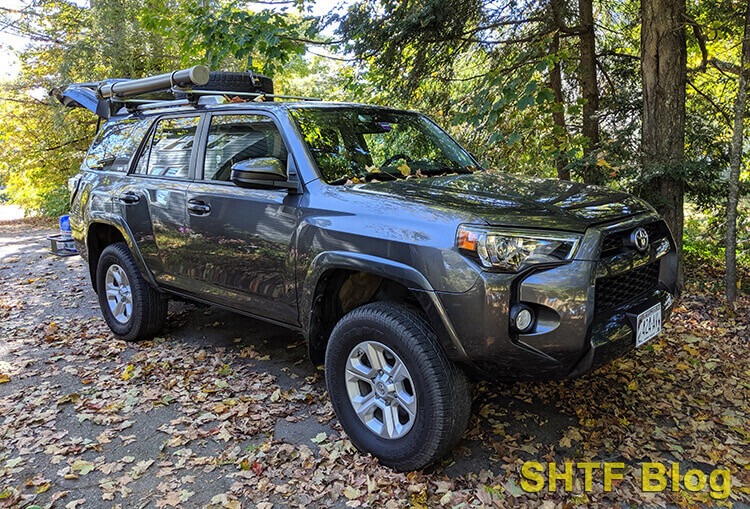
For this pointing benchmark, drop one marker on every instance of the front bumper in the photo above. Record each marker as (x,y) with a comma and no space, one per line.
(613,336)
(572,335)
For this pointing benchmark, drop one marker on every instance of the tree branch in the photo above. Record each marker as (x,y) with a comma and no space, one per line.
(50,149)
(607,77)
(35,102)
(725,67)
(718,108)
(701,42)
(613,53)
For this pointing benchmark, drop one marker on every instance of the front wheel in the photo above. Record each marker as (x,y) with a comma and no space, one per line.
(132,309)
(394,391)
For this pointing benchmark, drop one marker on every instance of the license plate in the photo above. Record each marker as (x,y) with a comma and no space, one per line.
(648,324)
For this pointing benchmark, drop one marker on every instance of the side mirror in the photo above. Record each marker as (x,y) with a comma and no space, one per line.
(258,172)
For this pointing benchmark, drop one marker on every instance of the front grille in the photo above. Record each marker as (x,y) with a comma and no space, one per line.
(613,291)
(616,242)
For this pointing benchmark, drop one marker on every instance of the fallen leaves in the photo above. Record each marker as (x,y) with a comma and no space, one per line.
(319,438)
(202,420)
(82,467)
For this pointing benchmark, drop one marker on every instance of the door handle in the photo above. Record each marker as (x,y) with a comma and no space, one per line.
(129,197)
(198,207)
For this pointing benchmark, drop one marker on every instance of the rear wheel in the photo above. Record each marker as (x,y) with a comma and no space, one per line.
(132,309)
(394,391)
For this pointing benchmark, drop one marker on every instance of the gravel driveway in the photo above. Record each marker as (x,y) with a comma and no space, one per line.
(227,411)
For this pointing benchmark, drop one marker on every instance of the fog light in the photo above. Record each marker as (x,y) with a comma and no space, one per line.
(521,318)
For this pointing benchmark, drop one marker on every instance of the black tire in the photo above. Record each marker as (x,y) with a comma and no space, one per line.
(149,307)
(442,389)
(235,82)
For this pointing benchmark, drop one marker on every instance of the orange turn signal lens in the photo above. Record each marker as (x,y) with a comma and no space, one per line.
(467,240)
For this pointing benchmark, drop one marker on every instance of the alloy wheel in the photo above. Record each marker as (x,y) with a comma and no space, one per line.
(381,390)
(119,294)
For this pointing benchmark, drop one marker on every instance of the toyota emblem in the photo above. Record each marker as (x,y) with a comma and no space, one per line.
(639,238)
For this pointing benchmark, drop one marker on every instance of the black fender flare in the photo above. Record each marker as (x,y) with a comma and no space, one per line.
(389,269)
(120,224)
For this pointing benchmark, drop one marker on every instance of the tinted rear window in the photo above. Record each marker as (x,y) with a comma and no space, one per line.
(115,144)
(169,149)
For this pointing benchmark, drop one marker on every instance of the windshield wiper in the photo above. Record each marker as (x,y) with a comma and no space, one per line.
(369,177)
(440,171)
(381,175)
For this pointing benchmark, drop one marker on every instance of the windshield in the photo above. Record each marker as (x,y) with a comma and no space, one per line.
(352,145)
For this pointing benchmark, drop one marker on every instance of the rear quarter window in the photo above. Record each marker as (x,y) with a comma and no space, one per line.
(115,145)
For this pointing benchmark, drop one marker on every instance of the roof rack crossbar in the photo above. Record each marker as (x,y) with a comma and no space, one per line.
(139,101)
(151,105)
(248,94)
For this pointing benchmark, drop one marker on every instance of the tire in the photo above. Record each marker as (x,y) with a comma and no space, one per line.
(235,82)
(441,389)
(148,309)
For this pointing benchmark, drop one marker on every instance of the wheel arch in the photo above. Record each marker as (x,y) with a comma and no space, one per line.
(372,278)
(104,230)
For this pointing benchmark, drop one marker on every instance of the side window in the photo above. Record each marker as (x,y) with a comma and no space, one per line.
(115,145)
(167,152)
(235,138)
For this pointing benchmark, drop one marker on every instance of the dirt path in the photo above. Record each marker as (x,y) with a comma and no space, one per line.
(227,411)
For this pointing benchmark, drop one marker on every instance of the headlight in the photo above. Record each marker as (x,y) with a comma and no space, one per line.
(73,183)
(511,251)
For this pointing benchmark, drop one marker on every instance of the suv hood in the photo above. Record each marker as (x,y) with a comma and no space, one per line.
(509,200)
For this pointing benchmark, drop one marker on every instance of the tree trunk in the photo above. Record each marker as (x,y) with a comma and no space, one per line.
(735,163)
(664,72)
(589,88)
(560,129)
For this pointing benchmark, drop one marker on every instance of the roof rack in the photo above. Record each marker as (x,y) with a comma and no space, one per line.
(103,97)
(194,95)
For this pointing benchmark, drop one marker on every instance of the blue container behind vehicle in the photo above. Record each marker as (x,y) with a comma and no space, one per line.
(62,244)
(65,231)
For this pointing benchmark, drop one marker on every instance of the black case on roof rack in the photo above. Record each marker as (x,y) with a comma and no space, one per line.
(178,88)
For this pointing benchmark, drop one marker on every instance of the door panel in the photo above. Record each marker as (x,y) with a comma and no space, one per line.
(239,250)
(154,200)
(158,221)
(240,240)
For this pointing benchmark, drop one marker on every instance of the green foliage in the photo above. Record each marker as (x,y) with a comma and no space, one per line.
(227,35)
(705,231)
(235,32)
(509,124)
(42,144)
(40,147)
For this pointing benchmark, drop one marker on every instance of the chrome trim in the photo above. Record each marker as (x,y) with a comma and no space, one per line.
(624,262)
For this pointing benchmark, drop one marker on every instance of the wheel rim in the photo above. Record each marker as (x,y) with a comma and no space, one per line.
(381,390)
(119,294)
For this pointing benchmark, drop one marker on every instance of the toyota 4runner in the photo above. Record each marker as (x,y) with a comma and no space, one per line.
(407,267)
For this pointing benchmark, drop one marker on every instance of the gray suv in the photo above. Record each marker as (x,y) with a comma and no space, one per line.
(407,267)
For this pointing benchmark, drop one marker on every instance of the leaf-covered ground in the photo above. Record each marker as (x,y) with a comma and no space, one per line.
(227,411)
